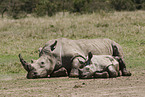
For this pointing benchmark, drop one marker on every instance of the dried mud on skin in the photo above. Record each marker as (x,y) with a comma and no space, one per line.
(133,86)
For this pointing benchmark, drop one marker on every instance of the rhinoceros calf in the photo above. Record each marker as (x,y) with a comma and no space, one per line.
(58,53)
(99,66)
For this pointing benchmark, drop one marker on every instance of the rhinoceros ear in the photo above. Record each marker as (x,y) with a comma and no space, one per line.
(90,55)
(53,46)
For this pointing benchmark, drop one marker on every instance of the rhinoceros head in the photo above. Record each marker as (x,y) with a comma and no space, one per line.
(86,71)
(42,67)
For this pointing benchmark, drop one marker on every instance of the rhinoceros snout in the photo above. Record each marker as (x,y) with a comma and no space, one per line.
(32,75)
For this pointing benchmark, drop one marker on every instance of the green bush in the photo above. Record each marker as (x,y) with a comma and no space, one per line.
(97,5)
(122,5)
(12,8)
(140,4)
(20,8)
(46,7)
(89,6)
(79,5)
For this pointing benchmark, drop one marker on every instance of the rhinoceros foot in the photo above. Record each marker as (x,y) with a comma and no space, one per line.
(101,75)
(59,73)
(125,72)
(74,73)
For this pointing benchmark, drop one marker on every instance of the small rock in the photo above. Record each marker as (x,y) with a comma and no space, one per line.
(77,86)
(83,83)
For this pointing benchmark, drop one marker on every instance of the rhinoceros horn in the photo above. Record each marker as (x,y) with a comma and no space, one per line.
(24,63)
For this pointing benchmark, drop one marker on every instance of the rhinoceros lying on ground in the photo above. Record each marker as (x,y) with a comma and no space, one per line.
(100,66)
(58,53)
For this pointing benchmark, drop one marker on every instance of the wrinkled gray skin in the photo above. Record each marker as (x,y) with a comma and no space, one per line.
(58,53)
(99,66)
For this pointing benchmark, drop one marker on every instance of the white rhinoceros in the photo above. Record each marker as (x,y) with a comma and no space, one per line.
(99,66)
(58,53)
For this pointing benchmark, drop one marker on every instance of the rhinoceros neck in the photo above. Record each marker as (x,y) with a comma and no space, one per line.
(59,53)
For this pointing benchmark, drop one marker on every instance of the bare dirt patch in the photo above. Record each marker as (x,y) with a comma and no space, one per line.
(133,86)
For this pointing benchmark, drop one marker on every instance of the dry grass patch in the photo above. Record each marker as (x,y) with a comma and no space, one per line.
(27,35)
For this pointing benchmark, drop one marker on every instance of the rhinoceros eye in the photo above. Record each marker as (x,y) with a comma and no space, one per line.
(42,65)
(42,62)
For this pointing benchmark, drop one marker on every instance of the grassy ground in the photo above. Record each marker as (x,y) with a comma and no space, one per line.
(26,35)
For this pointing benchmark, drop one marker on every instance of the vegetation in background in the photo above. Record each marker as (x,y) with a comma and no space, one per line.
(27,35)
(20,8)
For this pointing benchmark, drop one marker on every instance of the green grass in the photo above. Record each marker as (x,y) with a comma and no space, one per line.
(26,35)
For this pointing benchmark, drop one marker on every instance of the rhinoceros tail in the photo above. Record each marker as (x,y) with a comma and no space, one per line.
(117,50)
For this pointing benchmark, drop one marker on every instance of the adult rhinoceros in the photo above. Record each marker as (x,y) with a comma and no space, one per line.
(58,53)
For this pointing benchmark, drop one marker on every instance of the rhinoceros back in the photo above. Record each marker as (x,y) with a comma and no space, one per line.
(68,47)
(83,46)
(103,61)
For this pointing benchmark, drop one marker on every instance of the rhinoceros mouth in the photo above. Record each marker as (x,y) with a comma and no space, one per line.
(32,75)
(24,63)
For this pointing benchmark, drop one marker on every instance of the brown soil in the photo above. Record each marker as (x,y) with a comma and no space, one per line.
(133,86)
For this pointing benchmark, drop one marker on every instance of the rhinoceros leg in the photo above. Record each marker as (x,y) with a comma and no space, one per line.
(112,71)
(59,73)
(75,66)
(77,62)
(74,73)
(123,68)
(122,65)
(101,75)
